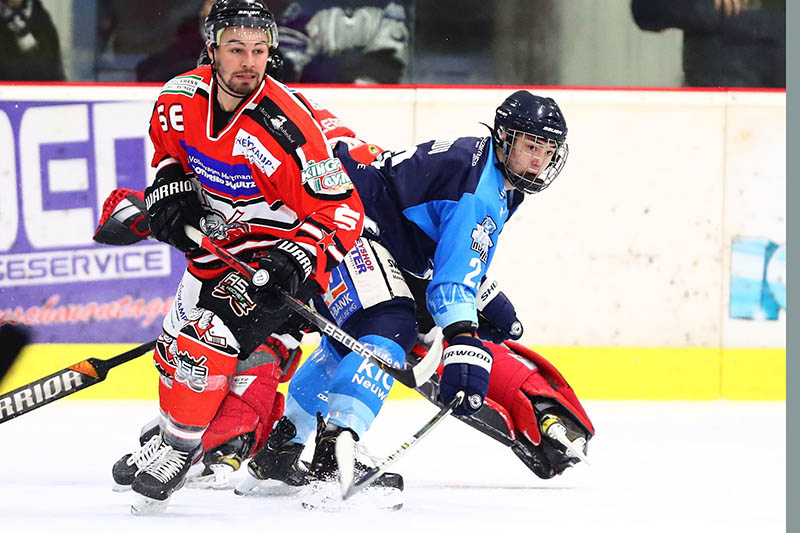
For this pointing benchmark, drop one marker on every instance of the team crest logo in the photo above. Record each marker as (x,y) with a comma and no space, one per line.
(234,289)
(193,372)
(481,237)
(219,228)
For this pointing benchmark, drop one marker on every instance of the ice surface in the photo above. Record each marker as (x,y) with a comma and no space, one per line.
(656,466)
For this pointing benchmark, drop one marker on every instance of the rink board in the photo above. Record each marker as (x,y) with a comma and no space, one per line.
(621,271)
(595,373)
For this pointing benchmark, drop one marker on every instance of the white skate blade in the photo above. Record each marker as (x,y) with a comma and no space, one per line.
(345,460)
(327,497)
(116,487)
(264,488)
(143,506)
(219,479)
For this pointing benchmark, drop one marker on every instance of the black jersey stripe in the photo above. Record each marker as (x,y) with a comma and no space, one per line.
(273,119)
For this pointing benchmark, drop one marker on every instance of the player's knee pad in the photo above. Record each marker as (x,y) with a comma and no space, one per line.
(359,388)
(205,359)
(249,405)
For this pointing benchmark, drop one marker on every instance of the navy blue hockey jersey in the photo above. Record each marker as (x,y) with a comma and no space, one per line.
(439,208)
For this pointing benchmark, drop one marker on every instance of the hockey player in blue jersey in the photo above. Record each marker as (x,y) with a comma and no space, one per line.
(435,212)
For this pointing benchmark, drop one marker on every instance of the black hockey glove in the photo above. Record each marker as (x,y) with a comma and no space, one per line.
(466,366)
(173,203)
(288,265)
(497,319)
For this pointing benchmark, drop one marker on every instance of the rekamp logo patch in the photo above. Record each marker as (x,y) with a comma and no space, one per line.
(234,289)
(326,177)
(481,237)
(251,148)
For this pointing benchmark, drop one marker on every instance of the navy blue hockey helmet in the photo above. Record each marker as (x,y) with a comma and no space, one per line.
(525,113)
(240,13)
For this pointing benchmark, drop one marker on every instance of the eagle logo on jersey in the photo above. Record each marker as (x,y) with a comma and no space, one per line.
(326,177)
(234,289)
(481,237)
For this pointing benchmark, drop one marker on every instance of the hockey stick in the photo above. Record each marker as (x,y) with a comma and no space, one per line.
(63,383)
(345,459)
(411,377)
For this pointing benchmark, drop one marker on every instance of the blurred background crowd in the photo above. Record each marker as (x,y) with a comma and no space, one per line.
(607,43)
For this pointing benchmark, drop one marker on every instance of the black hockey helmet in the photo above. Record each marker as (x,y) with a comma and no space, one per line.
(240,13)
(526,113)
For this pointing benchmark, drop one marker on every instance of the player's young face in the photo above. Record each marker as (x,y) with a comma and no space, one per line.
(241,58)
(530,154)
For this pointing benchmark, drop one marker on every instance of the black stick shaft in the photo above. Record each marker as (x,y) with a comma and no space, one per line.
(410,377)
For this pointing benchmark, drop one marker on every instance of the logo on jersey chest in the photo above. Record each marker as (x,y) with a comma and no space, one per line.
(251,148)
(326,177)
(481,238)
(216,226)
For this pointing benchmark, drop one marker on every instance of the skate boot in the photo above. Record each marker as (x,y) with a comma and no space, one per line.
(325,493)
(278,461)
(220,463)
(165,474)
(129,464)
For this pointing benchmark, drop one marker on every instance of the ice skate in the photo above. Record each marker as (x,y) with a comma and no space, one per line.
(165,474)
(324,493)
(220,464)
(276,469)
(125,469)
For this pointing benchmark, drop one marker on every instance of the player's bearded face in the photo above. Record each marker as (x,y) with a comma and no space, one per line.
(241,59)
(530,154)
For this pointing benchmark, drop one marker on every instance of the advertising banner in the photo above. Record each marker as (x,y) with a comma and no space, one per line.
(58,163)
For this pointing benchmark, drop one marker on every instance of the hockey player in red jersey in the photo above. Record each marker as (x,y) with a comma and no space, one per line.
(238,156)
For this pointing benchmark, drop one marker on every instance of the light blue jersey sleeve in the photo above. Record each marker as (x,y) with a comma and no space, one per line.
(467,237)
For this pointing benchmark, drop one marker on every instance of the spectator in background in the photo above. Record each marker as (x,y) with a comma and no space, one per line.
(351,41)
(355,41)
(726,43)
(181,55)
(29,47)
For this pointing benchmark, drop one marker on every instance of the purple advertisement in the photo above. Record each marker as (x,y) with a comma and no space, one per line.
(58,163)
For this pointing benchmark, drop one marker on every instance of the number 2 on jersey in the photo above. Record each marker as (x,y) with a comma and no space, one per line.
(475,263)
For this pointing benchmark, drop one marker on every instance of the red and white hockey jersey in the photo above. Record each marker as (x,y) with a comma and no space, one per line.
(268,175)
